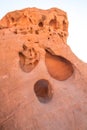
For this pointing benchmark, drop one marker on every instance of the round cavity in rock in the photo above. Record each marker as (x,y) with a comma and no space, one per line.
(40,24)
(58,67)
(43,90)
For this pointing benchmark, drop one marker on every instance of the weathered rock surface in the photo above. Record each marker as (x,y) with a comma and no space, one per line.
(43,85)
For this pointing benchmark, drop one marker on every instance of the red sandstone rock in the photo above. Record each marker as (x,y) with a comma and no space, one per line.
(43,85)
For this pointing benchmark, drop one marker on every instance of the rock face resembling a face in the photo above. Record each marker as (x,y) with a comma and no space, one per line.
(43,85)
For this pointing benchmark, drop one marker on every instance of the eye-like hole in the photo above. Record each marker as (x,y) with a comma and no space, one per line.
(28,58)
(58,67)
(43,90)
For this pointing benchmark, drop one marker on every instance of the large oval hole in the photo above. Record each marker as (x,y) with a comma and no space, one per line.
(58,67)
(43,90)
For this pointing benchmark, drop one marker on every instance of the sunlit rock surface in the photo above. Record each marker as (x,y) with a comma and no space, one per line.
(43,85)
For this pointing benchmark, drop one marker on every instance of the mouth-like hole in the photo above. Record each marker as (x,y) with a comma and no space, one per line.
(58,67)
(43,90)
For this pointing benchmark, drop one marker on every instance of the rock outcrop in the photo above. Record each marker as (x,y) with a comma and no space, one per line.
(43,85)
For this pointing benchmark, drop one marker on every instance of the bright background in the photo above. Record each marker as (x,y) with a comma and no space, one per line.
(77,17)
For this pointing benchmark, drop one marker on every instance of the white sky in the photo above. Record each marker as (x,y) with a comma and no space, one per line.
(77,17)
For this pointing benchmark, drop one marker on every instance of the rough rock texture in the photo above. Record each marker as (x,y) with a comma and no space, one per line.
(43,85)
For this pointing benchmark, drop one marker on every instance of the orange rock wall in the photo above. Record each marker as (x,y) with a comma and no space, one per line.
(43,85)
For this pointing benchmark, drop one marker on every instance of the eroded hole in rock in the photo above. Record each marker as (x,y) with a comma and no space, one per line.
(36,32)
(15,31)
(53,23)
(65,26)
(12,19)
(29,58)
(43,90)
(40,24)
(30,20)
(58,67)
(49,30)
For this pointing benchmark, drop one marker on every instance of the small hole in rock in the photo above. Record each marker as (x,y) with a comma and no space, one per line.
(65,25)
(29,40)
(24,47)
(30,20)
(43,90)
(36,42)
(40,24)
(12,19)
(49,30)
(36,32)
(15,31)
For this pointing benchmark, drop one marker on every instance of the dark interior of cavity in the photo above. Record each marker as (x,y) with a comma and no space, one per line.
(58,67)
(40,24)
(43,90)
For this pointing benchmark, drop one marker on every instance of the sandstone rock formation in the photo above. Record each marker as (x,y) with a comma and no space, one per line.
(43,85)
